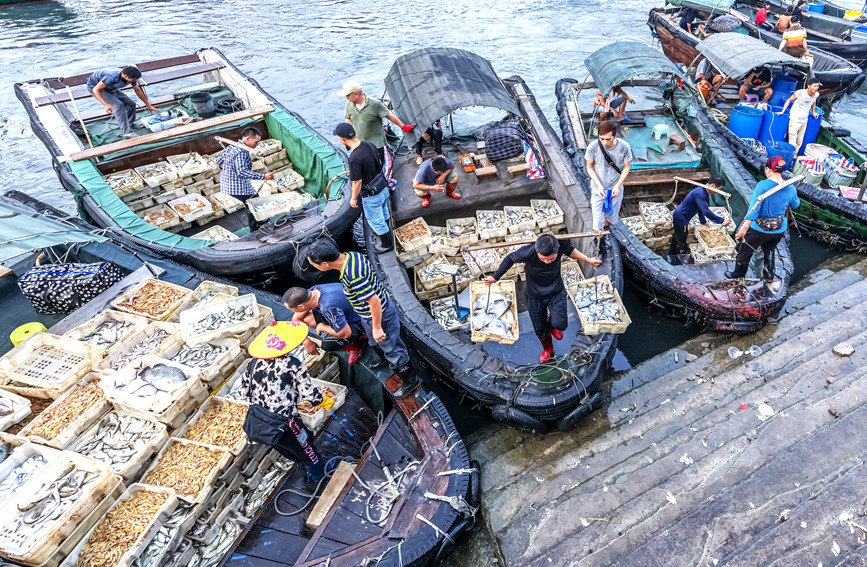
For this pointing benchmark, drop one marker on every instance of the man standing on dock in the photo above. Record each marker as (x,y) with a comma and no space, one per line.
(544,292)
(373,304)
(695,203)
(106,85)
(365,113)
(325,309)
(236,170)
(608,160)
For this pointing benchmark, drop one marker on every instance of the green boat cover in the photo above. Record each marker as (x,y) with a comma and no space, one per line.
(311,157)
(736,54)
(709,5)
(624,60)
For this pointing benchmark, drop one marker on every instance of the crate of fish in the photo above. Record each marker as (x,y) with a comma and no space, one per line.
(636,226)
(429,294)
(189,164)
(207,527)
(265,314)
(715,240)
(152,298)
(268,146)
(176,414)
(192,207)
(547,212)
(124,182)
(107,329)
(462,231)
(167,540)
(13,409)
(432,273)
(519,219)
(718,211)
(220,319)
(494,312)
(216,233)
(75,411)
(484,261)
(123,533)
(46,365)
(47,516)
(414,235)
(599,306)
(217,214)
(314,417)
(161,216)
(211,359)
(202,295)
(219,422)
(155,174)
(655,215)
(150,384)
(187,467)
(700,256)
(123,440)
(443,312)
(571,272)
(410,259)
(153,339)
(439,242)
(264,208)
(229,203)
(492,224)
(20,465)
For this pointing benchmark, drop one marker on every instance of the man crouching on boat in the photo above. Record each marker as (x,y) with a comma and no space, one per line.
(545,292)
(106,85)
(608,161)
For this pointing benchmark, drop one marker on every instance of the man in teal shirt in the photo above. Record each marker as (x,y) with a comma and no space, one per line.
(766,224)
(365,113)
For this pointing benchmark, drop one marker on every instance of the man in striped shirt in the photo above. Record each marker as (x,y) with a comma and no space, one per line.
(236,170)
(371,301)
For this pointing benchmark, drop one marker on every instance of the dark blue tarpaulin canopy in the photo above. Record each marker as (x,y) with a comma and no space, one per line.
(431,83)
(625,60)
(735,54)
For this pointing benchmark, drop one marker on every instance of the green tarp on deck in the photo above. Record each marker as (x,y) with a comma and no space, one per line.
(708,5)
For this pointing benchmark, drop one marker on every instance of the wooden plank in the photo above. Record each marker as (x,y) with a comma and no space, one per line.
(77,80)
(401,432)
(665,177)
(149,79)
(326,500)
(516,169)
(103,301)
(325,546)
(404,520)
(272,544)
(4,271)
(171,133)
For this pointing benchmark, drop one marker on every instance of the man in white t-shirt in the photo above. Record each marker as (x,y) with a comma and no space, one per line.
(803,102)
(607,178)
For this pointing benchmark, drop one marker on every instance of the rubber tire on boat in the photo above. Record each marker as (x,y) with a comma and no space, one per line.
(518,419)
(302,268)
(569,421)
(474,497)
(452,540)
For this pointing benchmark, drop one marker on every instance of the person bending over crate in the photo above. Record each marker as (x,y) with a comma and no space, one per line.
(695,203)
(544,291)
(236,171)
(106,85)
(325,308)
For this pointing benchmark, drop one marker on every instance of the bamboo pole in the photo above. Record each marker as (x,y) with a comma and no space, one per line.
(708,187)
(531,241)
(80,119)
(767,194)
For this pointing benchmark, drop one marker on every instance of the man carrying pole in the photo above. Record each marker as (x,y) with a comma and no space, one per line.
(695,203)
(545,292)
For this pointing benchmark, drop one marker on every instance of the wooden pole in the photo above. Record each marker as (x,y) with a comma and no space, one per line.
(708,187)
(80,119)
(531,241)
(767,194)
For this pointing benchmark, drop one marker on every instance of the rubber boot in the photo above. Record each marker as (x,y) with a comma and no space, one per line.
(409,380)
(739,271)
(547,346)
(381,360)
(356,351)
(556,333)
(451,193)
(383,243)
(768,266)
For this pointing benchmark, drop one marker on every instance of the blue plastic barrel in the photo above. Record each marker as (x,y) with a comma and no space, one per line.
(811,133)
(815,7)
(784,150)
(783,83)
(774,128)
(859,34)
(746,121)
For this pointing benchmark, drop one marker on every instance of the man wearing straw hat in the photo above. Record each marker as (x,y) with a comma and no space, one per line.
(278,381)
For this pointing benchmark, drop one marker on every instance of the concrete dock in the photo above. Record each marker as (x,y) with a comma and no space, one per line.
(701,459)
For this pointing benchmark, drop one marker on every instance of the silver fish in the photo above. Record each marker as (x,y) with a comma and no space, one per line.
(153,380)
(145,346)
(490,220)
(546,210)
(460,227)
(597,302)
(117,439)
(571,276)
(154,169)
(16,477)
(635,224)
(519,215)
(122,180)
(443,311)
(497,305)
(229,316)
(108,333)
(526,235)
(654,214)
(433,270)
(485,257)
(52,501)
(202,356)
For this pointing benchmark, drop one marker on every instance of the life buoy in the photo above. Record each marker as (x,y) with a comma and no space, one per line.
(518,419)
(570,420)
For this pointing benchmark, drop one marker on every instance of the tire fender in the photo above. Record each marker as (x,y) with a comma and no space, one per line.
(569,421)
(302,268)
(450,542)
(474,498)
(518,419)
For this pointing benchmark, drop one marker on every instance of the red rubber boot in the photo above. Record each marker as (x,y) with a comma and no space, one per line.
(356,351)
(548,347)
(556,333)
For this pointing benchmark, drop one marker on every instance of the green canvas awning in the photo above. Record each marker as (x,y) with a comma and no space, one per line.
(624,60)
(704,5)
(737,54)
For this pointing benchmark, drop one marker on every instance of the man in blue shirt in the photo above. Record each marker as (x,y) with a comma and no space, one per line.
(695,203)
(326,309)
(106,85)
(236,170)
(766,224)
(435,175)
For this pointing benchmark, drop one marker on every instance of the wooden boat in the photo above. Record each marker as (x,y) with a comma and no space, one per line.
(697,290)
(839,77)
(208,243)
(432,84)
(428,487)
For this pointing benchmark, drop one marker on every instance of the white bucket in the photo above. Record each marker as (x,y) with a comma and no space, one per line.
(817,151)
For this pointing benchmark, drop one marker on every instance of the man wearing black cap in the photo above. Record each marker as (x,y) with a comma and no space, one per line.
(369,184)
(106,85)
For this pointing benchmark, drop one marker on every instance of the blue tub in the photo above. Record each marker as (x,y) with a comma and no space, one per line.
(815,7)
(784,83)
(774,128)
(746,121)
(811,133)
(784,150)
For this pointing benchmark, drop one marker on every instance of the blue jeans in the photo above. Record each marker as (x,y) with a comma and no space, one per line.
(376,211)
(393,347)
(122,107)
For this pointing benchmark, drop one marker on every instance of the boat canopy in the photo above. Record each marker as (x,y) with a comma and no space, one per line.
(737,54)
(431,83)
(707,5)
(23,232)
(624,60)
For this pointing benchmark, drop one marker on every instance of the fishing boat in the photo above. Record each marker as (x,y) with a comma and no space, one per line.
(409,495)
(159,192)
(452,85)
(838,76)
(691,285)
(833,213)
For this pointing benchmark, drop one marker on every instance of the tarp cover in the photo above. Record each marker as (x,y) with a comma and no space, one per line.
(624,60)
(431,83)
(22,232)
(737,54)
(707,5)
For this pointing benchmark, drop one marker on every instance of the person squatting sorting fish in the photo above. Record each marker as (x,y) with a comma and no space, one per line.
(105,86)
(545,292)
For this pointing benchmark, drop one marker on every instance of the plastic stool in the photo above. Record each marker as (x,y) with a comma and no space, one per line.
(751,98)
(25,331)
(659,131)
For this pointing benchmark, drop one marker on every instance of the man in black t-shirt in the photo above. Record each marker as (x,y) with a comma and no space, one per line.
(758,82)
(544,290)
(364,166)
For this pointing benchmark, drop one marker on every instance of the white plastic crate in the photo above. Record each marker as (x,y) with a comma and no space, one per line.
(201,296)
(317,418)
(127,301)
(207,480)
(155,403)
(122,350)
(191,317)
(20,409)
(9,486)
(192,206)
(155,174)
(88,328)
(240,437)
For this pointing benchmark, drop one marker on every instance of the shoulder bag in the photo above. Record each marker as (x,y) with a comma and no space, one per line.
(378,183)
(261,424)
(608,158)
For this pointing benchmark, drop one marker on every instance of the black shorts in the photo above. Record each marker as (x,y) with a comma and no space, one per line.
(756,90)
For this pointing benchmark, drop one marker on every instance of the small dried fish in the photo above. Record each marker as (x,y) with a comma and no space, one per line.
(160,216)
(60,415)
(108,333)
(222,424)
(714,238)
(411,231)
(154,299)
(655,214)
(145,346)
(635,225)
(546,209)
(229,316)
(201,356)
(184,467)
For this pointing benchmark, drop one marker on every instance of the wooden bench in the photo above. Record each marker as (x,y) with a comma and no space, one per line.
(77,80)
